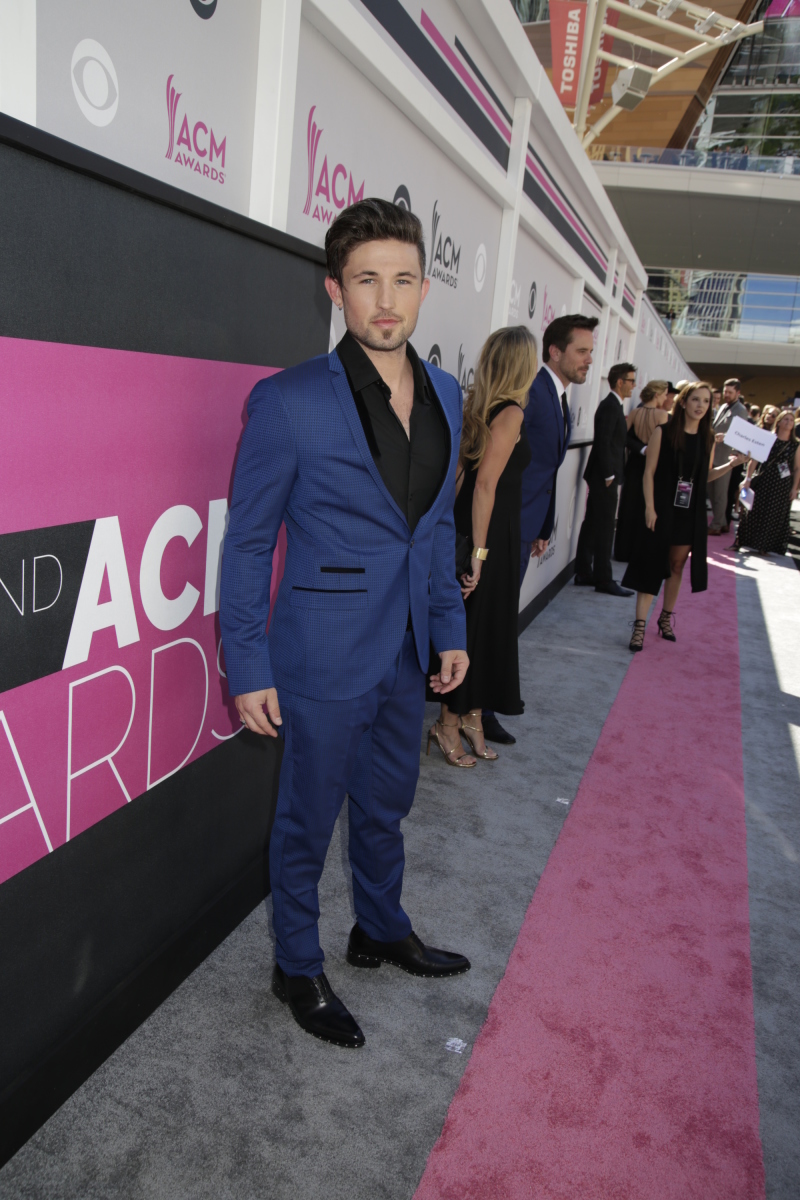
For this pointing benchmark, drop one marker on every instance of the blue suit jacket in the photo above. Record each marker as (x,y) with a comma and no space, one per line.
(352,566)
(544,425)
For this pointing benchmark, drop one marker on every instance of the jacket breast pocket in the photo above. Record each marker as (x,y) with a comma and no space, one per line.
(328,599)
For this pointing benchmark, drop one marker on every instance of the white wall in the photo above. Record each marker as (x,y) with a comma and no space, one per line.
(446,106)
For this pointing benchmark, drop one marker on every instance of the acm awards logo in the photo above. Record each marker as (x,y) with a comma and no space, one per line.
(330,183)
(204,8)
(465,378)
(445,255)
(199,140)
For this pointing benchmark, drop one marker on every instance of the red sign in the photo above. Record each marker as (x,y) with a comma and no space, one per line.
(567,30)
(567,27)
(601,66)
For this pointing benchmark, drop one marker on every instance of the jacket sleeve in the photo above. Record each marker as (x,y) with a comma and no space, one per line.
(550,517)
(265,474)
(447,620)
(603,435)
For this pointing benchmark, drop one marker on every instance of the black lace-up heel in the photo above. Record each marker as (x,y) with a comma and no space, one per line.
(637,637)
(665,623)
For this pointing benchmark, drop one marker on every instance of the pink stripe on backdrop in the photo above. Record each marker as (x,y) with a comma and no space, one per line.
(461,70)
(618,1057)
(559,203)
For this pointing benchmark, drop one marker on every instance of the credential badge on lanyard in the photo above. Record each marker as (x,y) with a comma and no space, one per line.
(683,493)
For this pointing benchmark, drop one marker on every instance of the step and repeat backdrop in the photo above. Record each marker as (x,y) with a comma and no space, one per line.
(138,306)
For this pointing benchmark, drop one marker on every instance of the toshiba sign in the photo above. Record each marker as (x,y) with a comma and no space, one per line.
(567,26)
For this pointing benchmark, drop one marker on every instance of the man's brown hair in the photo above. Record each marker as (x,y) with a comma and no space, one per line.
(371,220)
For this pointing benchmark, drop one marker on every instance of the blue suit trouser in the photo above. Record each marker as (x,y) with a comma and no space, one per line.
(367,748)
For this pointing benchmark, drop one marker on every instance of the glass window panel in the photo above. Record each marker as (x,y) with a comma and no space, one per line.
(784,102)
(730,126)
(741,105)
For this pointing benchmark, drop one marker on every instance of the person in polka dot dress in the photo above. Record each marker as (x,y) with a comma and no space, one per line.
(775,485)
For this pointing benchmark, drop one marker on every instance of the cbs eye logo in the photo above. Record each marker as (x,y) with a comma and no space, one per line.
(204,8)
(94,82)
(435,355)
(532,300)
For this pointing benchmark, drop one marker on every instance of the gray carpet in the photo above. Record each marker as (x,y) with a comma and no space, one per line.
(768,598)
(219,1095)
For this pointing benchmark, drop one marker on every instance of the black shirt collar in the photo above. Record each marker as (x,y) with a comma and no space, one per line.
(362,371)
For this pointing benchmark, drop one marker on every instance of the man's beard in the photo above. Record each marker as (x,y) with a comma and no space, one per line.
(383,339)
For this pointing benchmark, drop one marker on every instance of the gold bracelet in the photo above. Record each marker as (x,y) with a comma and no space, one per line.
(480,552)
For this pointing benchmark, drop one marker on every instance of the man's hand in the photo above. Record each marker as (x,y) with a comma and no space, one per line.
(539,546)
(610,480)
(452,672)
(251,706)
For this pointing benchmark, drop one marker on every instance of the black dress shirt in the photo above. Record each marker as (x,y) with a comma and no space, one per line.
(412,468)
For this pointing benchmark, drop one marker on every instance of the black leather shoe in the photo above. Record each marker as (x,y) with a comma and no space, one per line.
(493,732)
(584,581)
(409,954)
(316,1008)
(613,589)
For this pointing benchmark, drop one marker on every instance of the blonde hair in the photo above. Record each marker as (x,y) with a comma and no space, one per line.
(652,389)
(505,371)
(766,411)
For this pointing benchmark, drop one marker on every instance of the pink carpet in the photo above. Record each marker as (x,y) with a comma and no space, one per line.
(617,1061)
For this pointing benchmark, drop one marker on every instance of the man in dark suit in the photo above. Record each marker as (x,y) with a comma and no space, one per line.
(604,471)
(356,452)
(567,355)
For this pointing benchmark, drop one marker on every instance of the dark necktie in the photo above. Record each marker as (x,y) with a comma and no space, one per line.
(564,411)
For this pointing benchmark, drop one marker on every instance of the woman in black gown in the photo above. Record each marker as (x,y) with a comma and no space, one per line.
(641,423)
(775,485)
(678,465)
(494,453)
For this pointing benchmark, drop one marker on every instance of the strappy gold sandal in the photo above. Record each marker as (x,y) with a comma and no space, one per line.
(488,755)
(433,733)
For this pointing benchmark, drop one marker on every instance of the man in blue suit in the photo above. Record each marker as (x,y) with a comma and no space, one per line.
(356,452)
(567,356)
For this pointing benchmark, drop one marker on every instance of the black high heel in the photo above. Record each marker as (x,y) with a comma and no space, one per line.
(637,637)
(665,622)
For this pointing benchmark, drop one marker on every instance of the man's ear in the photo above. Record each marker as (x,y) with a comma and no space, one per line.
(426,287)
(334,290)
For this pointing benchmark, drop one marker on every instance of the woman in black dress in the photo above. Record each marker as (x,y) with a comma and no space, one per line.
(678,465)
(641,423)
(494,453)
(775,485)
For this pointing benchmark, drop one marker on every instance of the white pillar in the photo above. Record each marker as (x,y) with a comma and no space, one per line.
(507,250)
(18,59)
(273,128)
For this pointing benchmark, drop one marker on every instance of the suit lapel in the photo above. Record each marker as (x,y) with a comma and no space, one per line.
(345,397)
(555,401)
(454,442)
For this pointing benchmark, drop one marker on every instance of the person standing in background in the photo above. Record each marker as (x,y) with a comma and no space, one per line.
(716,401)
(604,473)
(641,423)
(567,348)
(678,466)
(718,489)
(494,453)
(775,485)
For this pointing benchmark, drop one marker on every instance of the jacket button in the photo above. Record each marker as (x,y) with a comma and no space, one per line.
(412,542)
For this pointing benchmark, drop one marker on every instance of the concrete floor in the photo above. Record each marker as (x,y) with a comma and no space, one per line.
(220,1095)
